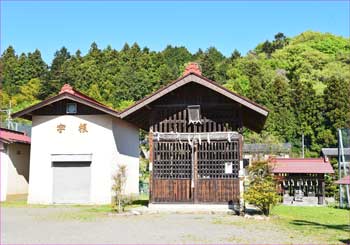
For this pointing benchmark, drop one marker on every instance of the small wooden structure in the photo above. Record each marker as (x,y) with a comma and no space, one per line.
(194,139)
(301,180)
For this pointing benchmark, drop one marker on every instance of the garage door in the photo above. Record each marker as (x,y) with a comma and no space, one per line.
(71,182)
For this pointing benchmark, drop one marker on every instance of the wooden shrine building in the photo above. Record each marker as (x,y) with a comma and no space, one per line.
(195,139)
(301,180)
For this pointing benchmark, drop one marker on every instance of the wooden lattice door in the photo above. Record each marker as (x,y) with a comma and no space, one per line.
(205,172)
(172,172)
(218,167)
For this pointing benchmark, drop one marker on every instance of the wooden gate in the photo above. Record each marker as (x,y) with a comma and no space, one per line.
(172,172)
(197,172)
(218,166)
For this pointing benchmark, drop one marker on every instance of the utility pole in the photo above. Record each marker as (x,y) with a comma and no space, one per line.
(339,169)
(302,146)
(8,116)
(342,163)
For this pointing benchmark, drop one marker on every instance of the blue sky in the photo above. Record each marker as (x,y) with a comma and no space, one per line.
(49,25)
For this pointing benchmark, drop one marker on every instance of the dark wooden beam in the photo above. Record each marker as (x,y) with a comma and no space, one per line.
(228,105)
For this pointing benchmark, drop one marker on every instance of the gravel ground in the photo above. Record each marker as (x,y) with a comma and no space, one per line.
(69,225)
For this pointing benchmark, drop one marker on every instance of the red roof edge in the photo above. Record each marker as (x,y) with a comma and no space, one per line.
(344,181)
(300,165)
(12,136)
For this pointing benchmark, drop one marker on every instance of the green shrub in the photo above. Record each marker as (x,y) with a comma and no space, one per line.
(262,187)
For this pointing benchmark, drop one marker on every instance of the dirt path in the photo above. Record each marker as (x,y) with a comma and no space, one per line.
(71,225)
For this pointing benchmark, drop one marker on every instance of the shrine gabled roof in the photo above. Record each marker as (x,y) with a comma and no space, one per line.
(11,136)
(194,77)
(300,165)
(67,92)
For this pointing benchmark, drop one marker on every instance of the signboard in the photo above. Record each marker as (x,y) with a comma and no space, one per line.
(228,167)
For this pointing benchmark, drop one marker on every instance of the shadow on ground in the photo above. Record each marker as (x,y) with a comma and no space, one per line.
(343,227)
(253,211)
(345,241)
(140,202)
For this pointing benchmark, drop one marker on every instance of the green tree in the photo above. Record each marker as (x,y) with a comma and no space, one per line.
(235,55)
(269,47)
(28,94)
(281,120)
(174,58)
(94,93)
(208,67)
(37,68)
(9,70)
(57,77)
(337,97)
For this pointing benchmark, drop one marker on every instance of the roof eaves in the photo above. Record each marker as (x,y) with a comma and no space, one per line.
(37,106)
(238,98)
(150,95)
(193,77)
(5,140)
(229,91)
(66,95)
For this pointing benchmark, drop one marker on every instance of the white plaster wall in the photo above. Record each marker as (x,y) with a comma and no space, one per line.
(18,168)
(127,149)
(4,172)
(98,141)
(14,159)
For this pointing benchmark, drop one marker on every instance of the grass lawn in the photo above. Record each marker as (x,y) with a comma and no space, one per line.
(76,212)
(17,201)
(331,225)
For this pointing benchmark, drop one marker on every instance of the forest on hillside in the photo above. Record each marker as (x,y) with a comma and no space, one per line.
(304,81)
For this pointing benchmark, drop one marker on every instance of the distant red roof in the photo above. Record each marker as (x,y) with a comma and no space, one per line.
(11,136)
(344,181)
(301,165)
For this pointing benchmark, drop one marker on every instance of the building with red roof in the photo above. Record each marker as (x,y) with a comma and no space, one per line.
(77,143)
(77,146)
(14,158)
(344,181)
(301,166)
(301,180)
(11,136)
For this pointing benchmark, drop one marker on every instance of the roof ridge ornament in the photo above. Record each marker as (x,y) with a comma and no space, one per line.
(192,67)
(67,89)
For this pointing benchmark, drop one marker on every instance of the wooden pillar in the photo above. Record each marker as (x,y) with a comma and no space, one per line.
(195,172)
(240,120)
(151,155)
(240,142)
(241,176)
(323,190)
